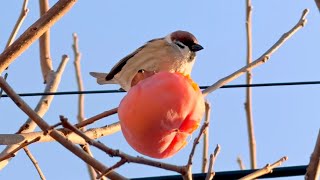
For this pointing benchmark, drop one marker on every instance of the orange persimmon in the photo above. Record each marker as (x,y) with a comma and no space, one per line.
(160,112)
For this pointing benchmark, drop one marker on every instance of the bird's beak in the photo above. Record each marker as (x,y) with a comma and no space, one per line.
(196,47)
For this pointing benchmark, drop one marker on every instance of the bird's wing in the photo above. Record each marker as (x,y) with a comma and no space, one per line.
(117,68)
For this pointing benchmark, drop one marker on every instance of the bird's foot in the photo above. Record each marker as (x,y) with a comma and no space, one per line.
(141,75)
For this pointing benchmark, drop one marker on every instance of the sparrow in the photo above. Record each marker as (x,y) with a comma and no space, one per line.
(175,52)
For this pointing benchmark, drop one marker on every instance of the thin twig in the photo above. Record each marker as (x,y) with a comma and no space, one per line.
(111,168)
(34,162)
(54,133)
(44,45)
(22,16)
(196,141)
(97,117)
(313,170)
(210,173)
(91,170)
(80,117)
(213,157)
(77,65)
(248,103)
(24,144)
(241,164)
(264,58)
(5,78)
(206,138)
(55,125)
(266,170)
(34,32)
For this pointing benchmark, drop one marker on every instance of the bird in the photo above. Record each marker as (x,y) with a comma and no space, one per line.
(176,52)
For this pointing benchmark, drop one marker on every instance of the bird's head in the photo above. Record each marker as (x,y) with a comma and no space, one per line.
(184,39)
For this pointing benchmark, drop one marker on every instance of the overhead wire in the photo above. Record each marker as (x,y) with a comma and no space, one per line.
(201,87)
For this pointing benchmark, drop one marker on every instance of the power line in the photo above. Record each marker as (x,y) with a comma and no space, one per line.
(201,87)
(276,172)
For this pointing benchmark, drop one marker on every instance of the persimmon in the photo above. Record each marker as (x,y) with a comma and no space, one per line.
(160,112)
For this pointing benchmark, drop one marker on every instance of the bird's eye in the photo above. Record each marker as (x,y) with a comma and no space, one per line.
(178,43)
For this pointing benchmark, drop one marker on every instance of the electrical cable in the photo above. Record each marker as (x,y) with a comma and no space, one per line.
(201,87)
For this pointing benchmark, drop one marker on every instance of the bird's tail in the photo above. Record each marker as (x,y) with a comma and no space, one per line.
(101,78)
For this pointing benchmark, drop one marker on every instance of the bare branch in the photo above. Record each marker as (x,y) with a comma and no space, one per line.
(80,117)
(313,170)
(94,133)
(45,101)
(264,58)
(77,65)
(267,169)
(196,142)
(117,165)
(206,138)
(241,164)
(34,32)
(5,78)
(34,162)
(53,133)
(24,144)
(97,117)
(41,107)
(44,45)
(22,16)
(91,170)
(188,174)
(210,173)
(248,103)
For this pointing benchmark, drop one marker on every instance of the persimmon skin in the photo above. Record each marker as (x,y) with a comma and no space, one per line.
(160,112)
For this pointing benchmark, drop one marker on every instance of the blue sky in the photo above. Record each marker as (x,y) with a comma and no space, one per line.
(286,119)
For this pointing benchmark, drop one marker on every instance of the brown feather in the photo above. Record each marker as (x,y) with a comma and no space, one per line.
(117,68)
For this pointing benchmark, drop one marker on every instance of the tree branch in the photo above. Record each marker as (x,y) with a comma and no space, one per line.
(248,103)
(34,32)
(24,144)
(42,106)
(264,58)
(5,78)
(22,16)
(267,169)
(80,117)
(94,133)
(97,117)
(210,173)
(313,170)
(241,164)
(34,162)
(206,138)
(118,164)
(44,45)
(53,133)
(77,65)
(188,174)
